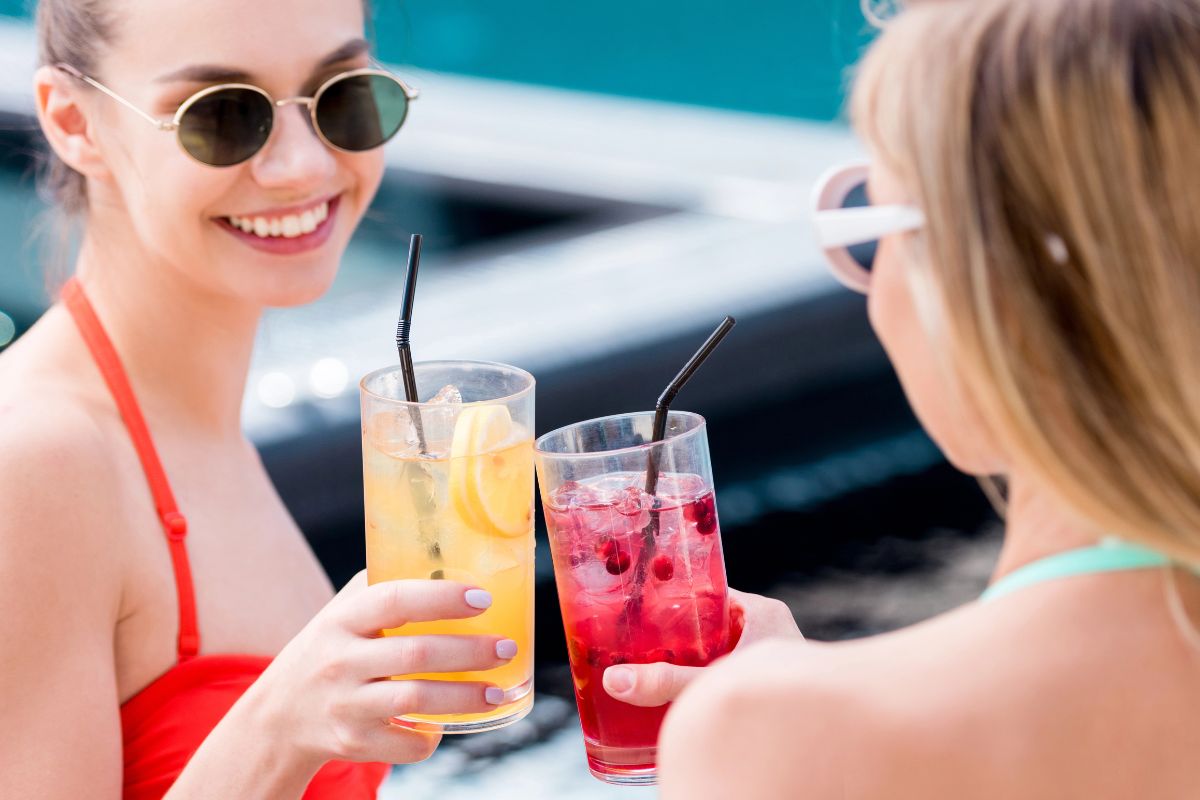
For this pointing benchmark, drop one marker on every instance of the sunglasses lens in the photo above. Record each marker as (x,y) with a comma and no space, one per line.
(226,127)
(863,254)
(360,112)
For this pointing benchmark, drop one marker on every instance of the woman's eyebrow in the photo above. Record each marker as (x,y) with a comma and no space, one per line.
(213,73)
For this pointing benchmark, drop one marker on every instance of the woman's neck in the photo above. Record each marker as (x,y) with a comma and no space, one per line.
(187,350)
(1039,524)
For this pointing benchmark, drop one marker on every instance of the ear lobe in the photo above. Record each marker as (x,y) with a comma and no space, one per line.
(64,121)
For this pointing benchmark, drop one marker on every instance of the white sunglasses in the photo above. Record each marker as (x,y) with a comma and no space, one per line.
(849,227)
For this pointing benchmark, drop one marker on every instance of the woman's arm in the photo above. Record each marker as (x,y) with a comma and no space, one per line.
(60,730)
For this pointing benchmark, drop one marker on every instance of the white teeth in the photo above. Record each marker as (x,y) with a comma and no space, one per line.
(289,227)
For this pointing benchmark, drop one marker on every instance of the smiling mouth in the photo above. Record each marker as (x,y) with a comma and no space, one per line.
(287,226)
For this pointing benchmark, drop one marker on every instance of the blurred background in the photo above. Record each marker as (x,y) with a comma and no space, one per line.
(598,184)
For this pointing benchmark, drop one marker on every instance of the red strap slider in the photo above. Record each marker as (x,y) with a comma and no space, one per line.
(175,525)
(189,646)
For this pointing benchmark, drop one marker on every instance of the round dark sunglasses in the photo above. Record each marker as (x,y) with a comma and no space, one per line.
(227,124)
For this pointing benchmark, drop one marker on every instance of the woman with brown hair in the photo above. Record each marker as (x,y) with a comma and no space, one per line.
(166,629)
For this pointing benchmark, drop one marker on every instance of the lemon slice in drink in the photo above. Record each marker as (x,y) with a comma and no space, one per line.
(491,474)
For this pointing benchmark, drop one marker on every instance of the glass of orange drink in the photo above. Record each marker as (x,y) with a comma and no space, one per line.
(448,493)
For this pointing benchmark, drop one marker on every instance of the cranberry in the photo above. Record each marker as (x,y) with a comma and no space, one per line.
(618,562)
(663,566)
(701,509)
(706,526)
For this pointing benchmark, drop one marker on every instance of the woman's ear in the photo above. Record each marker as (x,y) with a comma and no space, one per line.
(63,115)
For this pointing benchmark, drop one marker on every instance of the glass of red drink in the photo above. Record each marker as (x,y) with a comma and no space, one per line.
(639,568)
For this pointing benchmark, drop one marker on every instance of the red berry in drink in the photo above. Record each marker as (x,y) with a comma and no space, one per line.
(618,562)
(701,509)
(706,525)
(663,566)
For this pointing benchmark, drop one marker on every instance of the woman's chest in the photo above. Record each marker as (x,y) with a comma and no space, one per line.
(254,579)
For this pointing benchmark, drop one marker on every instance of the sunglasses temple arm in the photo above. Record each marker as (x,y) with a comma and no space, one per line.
(844,227)
(411,92)
(158,123)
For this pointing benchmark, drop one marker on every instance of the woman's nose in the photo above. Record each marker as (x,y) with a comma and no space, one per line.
(294,157)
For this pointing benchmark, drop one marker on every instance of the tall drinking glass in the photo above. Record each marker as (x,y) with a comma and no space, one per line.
(448,490)
(640,574)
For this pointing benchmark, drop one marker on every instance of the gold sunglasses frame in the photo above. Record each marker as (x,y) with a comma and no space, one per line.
(310,103)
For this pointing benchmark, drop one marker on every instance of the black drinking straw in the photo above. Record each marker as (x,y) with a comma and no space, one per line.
(663,407)
(403,328)
(404,325)
(661,410)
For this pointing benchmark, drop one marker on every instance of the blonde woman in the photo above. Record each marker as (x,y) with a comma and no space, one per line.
(1031,253)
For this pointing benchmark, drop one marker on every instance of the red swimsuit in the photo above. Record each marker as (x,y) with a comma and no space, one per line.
(164,724)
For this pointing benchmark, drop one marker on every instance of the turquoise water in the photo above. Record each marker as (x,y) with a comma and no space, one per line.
(775,56)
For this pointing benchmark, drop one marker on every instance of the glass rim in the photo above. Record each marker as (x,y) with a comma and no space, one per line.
(495,365)
(619,451)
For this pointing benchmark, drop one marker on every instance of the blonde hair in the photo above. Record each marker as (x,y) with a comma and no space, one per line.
(1055,148)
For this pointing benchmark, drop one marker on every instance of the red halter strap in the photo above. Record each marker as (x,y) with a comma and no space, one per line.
(173,522)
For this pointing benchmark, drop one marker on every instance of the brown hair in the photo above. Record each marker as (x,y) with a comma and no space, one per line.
(1052,145)
(71,32)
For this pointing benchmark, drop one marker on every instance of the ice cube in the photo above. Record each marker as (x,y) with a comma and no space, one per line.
(634,504)
(393,433)
(447,394)
(676,486)
(595,581)
(693,625)
(561,525)
(572,494)
(493,560)
(439,416)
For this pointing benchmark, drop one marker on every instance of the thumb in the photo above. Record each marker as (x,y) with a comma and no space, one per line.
(648,684)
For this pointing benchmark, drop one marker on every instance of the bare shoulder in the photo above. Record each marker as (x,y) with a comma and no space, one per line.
(764,723)
(789,718)
(58,483)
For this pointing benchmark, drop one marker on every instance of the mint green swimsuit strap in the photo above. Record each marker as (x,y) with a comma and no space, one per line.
(1111,555)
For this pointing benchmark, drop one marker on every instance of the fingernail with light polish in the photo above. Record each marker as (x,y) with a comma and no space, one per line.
(618,679)
(506,648)
(494,695)
(478,598)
